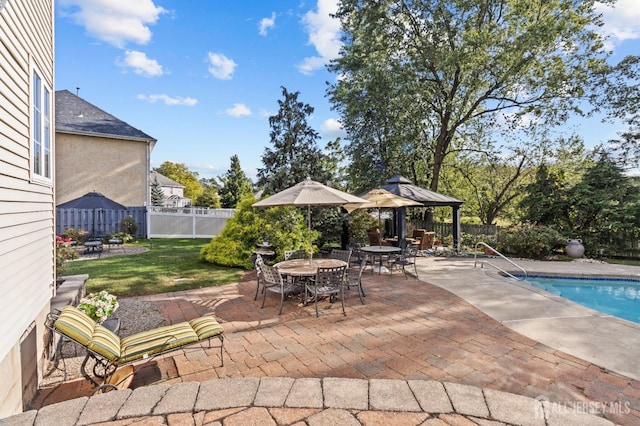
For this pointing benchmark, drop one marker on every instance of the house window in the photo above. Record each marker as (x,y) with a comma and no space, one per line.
(41,132)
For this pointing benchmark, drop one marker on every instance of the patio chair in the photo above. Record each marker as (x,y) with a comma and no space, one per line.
(404,260)
(344,255)
(274,283)
(354,278)
(111,352)
(424,239)
(294,254)
(375,239)
(327,282)
(259,277)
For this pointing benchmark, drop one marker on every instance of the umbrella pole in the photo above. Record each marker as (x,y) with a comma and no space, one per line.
(309,222)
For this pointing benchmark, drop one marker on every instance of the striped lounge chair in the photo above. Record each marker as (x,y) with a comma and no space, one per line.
(110,351)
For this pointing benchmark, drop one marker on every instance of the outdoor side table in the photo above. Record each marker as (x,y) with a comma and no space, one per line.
(93,246)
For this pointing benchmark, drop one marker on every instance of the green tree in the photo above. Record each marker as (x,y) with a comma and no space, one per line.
(210,194)
(617,94)
(157,194)
(181,174)
(545,199)
(235,185)
(295,154)
(418,73)
(603,206)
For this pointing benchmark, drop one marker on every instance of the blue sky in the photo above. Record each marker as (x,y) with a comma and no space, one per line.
(203,76)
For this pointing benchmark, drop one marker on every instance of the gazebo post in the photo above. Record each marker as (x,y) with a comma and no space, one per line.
(456,228)
(401,224)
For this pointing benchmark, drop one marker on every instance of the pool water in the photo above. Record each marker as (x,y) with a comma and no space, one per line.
(615,296)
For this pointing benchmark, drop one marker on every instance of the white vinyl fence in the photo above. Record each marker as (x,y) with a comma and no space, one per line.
(186,222)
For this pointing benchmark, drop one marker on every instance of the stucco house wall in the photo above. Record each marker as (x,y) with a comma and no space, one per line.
(99,152)
(27,236)
(116,168)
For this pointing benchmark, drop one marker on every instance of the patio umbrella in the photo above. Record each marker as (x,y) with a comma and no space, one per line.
(309,193)
(379,198)
(92,201)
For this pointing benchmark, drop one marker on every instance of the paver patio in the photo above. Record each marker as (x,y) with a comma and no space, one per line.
(408,329)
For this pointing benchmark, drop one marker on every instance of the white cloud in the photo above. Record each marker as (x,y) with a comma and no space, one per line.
(220,66)
(140,64)
(266,23)
(324,35)
(168,100)
(332,129)
(117,22)
(621,22)
(238,110)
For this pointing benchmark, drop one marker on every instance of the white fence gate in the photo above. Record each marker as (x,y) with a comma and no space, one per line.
(186,222)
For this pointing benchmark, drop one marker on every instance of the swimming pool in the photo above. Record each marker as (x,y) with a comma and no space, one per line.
(619,297)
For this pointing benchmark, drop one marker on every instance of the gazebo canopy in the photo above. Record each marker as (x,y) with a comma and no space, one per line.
(403,187)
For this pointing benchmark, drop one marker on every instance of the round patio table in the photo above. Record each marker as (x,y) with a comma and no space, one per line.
(304,268)
(380,251)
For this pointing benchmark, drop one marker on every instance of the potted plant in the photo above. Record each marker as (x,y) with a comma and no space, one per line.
(99,306)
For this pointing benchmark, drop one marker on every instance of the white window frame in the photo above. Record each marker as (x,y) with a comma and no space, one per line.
(41,127)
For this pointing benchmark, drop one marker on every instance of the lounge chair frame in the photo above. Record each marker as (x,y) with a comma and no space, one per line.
(104,367)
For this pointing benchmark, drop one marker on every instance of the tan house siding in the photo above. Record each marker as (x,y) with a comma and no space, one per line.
(106,165)
(27,239)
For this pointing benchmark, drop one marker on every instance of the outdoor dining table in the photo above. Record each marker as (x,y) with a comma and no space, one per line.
(306,268)
(381,251)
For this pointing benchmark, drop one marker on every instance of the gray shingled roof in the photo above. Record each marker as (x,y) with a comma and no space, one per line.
(75,115)
(163,180)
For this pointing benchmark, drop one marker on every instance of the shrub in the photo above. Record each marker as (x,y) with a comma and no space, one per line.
(77,235)
(284,227)
(128,225)
(64,253)
(531,241)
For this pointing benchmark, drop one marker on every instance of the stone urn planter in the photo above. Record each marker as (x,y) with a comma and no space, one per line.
(574,248)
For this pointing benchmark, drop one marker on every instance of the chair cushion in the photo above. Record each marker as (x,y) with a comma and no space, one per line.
(206,327)
(105,342)
(75,324)
(154,341)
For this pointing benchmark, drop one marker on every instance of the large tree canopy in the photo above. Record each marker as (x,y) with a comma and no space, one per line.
(181,174)
(417,74)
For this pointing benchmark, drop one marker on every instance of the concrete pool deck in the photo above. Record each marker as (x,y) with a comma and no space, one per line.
(602,339)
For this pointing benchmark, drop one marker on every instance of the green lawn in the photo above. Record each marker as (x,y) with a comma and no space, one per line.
(169,265)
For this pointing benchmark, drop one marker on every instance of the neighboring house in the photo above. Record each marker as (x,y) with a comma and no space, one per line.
(27,236)
(172,190)
(96,151)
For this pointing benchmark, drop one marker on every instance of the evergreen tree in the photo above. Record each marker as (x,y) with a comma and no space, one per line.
(157,194)
(295,154)
(235,185)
